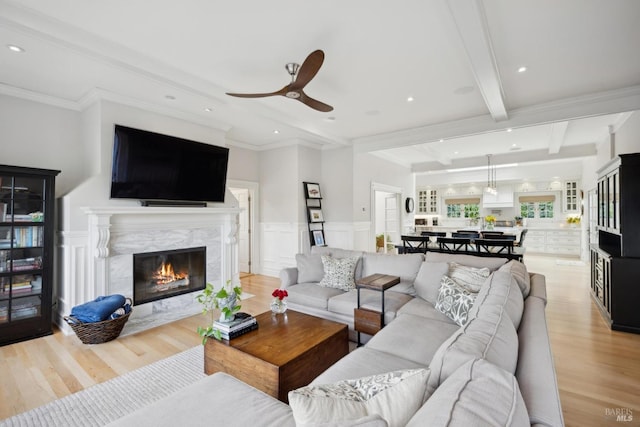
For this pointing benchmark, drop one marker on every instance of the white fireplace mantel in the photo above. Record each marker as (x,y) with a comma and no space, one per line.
(101,262)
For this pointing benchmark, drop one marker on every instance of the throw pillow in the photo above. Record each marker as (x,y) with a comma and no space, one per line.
(454,301)
(395,396)
(338,273)
(478,393)
(310,268)
(469,277)
(427,281)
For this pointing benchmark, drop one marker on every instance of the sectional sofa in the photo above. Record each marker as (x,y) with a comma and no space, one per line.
(483,360)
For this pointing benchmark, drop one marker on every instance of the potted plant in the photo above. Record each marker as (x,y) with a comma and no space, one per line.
(490,221)
(226,299)
(518,221)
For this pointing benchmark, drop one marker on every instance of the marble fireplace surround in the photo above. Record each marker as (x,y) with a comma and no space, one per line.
(115,234)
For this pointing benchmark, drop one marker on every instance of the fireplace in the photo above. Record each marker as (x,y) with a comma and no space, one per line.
(165,274)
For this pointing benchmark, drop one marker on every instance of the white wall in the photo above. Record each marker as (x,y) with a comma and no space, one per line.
(43,136)
(337,184)
(244,165)
(628,136)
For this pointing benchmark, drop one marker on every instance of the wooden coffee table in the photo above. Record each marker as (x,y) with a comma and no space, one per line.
(286,352)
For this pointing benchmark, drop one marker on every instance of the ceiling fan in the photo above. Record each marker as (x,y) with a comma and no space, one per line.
(301,75)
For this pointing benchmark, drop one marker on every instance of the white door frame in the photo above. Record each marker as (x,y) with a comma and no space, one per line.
(254,235)
(376,186)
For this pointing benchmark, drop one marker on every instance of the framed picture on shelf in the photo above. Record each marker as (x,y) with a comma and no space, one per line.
(318,237)
(315,215)
(312,190)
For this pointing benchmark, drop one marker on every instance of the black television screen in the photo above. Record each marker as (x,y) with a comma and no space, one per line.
(151,166)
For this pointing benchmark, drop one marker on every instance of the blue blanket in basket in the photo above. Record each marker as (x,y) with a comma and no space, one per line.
(99,309)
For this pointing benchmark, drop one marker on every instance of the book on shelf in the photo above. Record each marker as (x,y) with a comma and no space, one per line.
(241,331)
(241,319)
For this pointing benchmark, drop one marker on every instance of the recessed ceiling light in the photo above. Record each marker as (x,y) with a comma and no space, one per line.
(441,140)
(410,99)
(514,145)
(170,97)
(456,152)
(522,69)
(14,48)
(208,109)
(276,131)
(509,129)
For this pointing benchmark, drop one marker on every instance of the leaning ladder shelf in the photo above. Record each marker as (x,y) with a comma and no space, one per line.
(315,218)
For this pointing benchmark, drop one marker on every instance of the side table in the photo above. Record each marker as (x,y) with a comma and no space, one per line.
(366,320)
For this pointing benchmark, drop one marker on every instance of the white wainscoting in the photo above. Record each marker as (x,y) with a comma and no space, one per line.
(282,241)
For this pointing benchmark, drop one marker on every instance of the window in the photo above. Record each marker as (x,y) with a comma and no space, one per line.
(537,206)
(463,208)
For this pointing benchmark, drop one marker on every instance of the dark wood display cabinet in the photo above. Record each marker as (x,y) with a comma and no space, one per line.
(615,260)
(27,199)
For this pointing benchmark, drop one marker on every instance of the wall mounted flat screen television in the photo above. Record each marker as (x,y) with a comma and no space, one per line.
(153,167)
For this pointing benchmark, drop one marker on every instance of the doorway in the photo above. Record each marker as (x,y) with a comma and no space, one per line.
(386,217)
(246,194)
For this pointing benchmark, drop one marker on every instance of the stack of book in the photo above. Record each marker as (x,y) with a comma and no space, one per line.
(241,324)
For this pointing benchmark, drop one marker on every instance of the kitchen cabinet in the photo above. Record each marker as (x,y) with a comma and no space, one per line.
(554,241)
(428,203)
(26,252)
(571,197)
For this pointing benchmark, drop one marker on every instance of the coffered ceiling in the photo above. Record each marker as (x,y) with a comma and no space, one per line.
(457,60)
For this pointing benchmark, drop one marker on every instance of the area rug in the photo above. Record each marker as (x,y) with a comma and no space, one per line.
(106,402)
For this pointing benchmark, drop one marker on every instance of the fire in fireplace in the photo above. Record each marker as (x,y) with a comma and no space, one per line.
(164,274)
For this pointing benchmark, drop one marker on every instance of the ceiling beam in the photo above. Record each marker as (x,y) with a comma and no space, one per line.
(556,139)
(566,153)
(596,104)
(471,22)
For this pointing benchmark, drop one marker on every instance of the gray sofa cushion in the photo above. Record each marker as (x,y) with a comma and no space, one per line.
(538,287)
(412,337)
(187,408)
(362,362)
(310,268)
(427,282)
(419,307)
(312,295)
(491,263)
(372,300)
(490,335)
(406,267)
(501,289)
(519,271)
(477,394)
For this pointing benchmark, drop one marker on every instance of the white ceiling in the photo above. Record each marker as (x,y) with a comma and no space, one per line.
(457,59)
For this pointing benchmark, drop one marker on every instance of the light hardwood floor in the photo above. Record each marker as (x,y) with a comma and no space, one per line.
(598,369)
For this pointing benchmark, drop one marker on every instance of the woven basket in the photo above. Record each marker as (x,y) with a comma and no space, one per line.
(97,332)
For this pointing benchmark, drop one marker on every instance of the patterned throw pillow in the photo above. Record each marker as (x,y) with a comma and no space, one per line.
(338,273)
(454,300)
(395,396)
(470,278)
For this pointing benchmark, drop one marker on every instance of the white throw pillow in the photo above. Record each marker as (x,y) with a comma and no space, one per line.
(338,273)
(395,396)
(469,277)
(454,300)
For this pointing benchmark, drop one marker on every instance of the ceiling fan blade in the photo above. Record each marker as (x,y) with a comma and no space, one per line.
(282,91)
(314,103)
(308,69)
